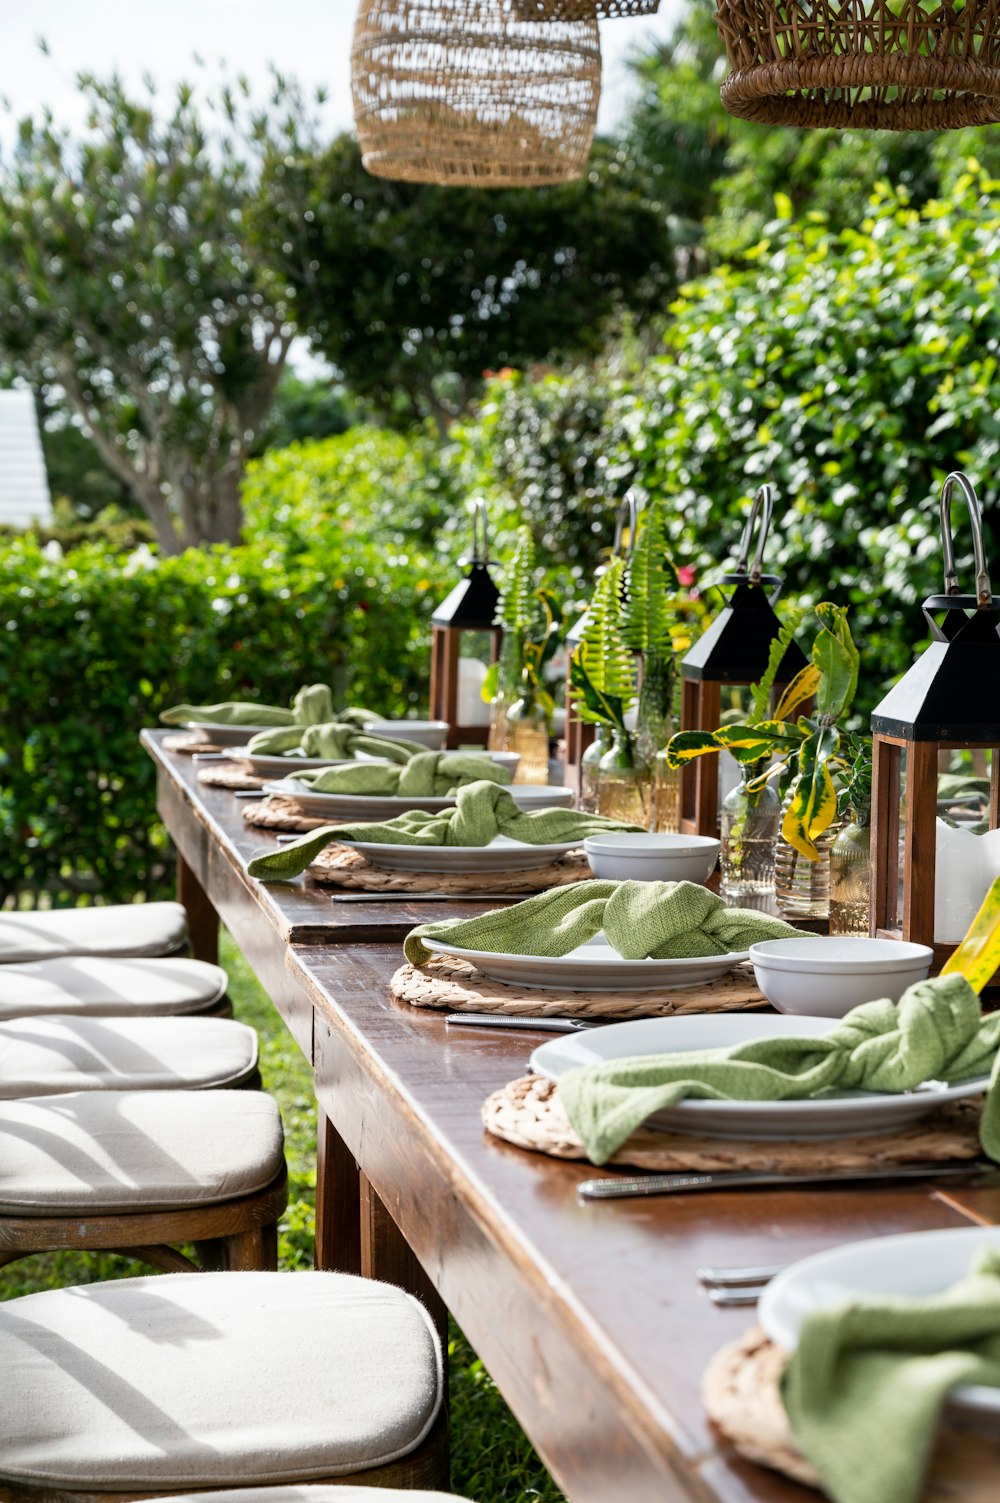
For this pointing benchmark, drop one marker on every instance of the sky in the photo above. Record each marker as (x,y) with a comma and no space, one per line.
(310,39)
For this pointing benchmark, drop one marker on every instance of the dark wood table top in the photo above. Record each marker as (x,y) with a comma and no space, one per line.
(207,823)
(588,1315)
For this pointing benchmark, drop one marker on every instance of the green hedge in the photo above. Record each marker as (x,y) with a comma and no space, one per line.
(90,652)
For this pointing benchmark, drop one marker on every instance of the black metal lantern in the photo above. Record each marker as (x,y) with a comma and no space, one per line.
(732,651)
(948,700)
(579,734)
(470,608)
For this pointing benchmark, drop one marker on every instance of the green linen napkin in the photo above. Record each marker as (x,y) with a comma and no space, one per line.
(641,920)
(937,1032)
(429,774)
(337,739)
(865,1385)
(482,811)
(312,705)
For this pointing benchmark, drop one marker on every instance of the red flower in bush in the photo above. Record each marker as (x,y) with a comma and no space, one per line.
(686,575)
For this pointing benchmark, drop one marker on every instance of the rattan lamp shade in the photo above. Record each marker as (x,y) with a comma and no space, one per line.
(462,92)
(583,10)
(865,64)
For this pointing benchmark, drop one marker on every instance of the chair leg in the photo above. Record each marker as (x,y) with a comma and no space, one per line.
(253,1250)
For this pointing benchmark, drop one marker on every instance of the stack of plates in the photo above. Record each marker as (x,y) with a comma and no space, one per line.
(501,855)
(594,966)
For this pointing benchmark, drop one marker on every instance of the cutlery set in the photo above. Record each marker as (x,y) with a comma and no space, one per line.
(728,1287)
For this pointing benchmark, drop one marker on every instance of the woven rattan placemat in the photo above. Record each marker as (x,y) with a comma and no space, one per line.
(740,1391)
(189,742)
(528,1112)
(278,813)
(339,866)
(224,775)
(456,986)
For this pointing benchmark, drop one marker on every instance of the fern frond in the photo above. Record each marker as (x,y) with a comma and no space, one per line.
(609,662)
(761,707)
(518,608)
(646,623)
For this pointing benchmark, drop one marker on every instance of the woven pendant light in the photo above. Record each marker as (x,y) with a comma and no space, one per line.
(862,64)
(583,10)
(461,92)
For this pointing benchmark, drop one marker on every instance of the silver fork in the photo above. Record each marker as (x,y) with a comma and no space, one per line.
(729,1287)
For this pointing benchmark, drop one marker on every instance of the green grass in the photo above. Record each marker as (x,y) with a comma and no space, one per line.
(492,1459)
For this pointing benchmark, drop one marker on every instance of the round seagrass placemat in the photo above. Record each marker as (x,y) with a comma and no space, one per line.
(226,776)
(528,1113)
(279,813)
(342,867)
(189,742)
(741,1392)
(456,986)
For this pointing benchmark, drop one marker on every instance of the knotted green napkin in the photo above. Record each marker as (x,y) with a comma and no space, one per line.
(429,774)
(312,705)
(865,1385)
(641,920)
(337,739)
(483,811)
(937,1032)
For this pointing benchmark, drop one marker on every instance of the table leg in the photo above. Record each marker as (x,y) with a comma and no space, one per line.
(338,1203)
(203,921)
(386,1255)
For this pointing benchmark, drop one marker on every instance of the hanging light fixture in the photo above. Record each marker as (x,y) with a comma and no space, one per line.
(464,93)
(583,10)
(862,64)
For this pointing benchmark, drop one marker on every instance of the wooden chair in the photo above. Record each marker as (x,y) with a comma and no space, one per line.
(94,986)
(141,1173)
(124,929)
(146,1387)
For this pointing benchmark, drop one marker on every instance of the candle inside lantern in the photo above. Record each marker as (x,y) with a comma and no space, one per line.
(472,708)
(965,867)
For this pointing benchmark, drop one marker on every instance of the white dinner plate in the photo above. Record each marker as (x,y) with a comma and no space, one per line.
(594,966)
(430,733)
(501,855)
(838,1115)
(366,806)
(226,735)
(910,1264)
(269,765)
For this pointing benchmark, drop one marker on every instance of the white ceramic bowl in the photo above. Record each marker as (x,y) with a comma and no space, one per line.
(652,858)
(825,976)
(429,733)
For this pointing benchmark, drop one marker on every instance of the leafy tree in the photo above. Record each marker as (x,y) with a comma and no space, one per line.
(414,291)
(305,409)
(129,283)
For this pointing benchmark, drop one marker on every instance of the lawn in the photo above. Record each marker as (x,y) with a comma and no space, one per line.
(492,1460)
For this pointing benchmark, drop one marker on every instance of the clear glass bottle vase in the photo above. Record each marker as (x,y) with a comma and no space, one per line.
(802,887)
(527,734)
(509,671)
(590,769)
(750,821)
(666,817)
(623,784)
(850,876)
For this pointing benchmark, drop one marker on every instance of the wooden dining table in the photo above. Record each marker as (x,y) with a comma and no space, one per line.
(588,1315)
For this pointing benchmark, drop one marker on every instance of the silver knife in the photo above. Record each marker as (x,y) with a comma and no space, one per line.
(509,1020)
(985,1175)
(420,897)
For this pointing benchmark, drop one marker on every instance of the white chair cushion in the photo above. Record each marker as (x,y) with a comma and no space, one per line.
(45,1056)
(109,988)
(106,1152)
(317,1493)
(193,1379)
(118,929)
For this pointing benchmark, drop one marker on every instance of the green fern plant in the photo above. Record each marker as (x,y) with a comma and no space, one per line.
(647,618)
(518,610)
(602,670)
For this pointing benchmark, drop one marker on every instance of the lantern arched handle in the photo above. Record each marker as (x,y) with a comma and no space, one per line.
(628,517)
(762,508)
(480,533)
(984,593)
